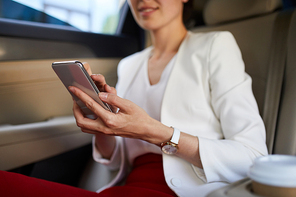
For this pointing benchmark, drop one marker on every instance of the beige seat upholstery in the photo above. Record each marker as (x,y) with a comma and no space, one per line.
(252,24)
(222,11)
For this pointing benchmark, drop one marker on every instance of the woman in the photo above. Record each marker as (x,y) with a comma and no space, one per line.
(187,120)
(193,83)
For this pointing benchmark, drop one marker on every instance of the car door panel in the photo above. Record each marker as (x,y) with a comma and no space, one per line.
(36,111)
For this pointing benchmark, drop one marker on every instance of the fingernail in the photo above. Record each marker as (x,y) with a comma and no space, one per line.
(72,89)
(103,95)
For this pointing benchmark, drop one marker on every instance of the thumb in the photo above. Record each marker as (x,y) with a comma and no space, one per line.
(115,100)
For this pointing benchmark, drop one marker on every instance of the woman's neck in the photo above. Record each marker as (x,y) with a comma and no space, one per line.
(167,40)
(166,43)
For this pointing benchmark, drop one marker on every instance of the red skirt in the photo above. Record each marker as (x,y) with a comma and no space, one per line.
(146,179)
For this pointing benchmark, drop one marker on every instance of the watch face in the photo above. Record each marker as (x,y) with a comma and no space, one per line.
(169,149)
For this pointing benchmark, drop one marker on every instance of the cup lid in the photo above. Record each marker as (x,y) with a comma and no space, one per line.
(275,170)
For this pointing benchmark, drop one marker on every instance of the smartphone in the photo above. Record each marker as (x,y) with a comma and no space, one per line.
(73,73)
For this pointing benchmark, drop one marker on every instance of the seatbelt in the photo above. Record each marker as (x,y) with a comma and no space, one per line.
(277,63)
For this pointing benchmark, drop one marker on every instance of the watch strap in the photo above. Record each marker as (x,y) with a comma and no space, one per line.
(176,136)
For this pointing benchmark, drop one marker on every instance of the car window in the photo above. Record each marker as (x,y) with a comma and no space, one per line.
(96,16)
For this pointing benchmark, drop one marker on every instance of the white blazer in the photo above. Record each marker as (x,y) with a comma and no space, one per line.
(208,95)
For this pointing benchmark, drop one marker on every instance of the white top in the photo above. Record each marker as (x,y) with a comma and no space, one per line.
(149,97)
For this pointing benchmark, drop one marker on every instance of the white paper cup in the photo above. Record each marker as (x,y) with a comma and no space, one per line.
(274,175)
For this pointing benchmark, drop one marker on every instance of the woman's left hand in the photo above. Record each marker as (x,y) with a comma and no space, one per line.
(131,121)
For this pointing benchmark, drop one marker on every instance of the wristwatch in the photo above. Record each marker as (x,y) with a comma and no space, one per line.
(171,147)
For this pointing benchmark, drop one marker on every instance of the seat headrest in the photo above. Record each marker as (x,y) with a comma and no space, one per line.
(222,11)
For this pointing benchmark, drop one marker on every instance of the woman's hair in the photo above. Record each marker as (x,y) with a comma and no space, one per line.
(191,17)
(187,10)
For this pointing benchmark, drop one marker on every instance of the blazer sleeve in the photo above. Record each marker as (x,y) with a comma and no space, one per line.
(127,68)
(115,160)
(235,107)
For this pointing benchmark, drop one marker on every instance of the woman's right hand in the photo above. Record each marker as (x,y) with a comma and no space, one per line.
(104,143)
(101,84)
(104,87)
(99,80)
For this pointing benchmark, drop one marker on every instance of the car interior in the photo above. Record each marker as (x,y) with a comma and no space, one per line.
(38,133)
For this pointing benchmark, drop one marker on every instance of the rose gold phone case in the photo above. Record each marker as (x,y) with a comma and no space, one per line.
(72,73)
